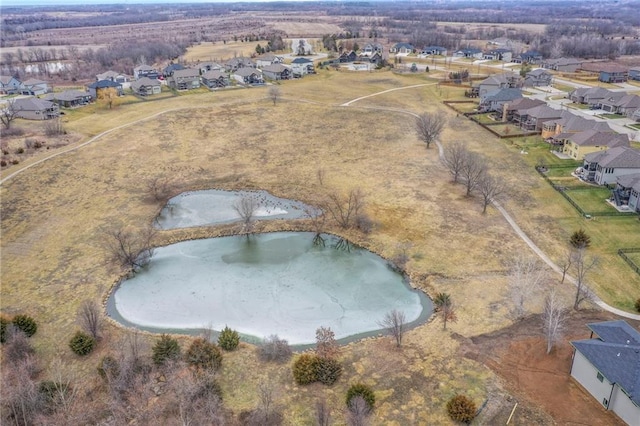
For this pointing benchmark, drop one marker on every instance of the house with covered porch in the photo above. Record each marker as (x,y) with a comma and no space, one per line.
(604,167)
(248,75)
(215,79)
(627,192)
(35,109)
(69,98)
(578,145)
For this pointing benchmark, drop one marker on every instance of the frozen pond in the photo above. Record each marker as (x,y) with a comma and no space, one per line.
(210,207)
(274,283)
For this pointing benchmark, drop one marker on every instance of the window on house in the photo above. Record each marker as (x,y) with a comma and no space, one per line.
(600,377)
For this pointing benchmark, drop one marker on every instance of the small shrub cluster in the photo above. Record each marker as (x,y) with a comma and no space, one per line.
(26,324)
(229,339)
(310,368)
(15,161)
(12,131)
(461,408)
(20,150)
(274,349)
(363,391)
(31,143)
(4,326)
(166,349)
(108,367)
(3,163)
(364,223)
(204,355)
(82,343)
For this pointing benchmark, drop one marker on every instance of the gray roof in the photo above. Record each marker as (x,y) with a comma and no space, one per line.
(67,95)
(629,181)
(524,103)
(213,75)
(502,95)
(144,68)
(6,79)
(33,82)
(622,157)
(615,354)
(302,61)
(538,72)
(186,73)
(32,104)
(542,112)
(574,123)
(596,138)
(144,81)
(275,68)
(246,71)
(499,79)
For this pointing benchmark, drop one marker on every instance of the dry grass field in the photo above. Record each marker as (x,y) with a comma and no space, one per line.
(55,215)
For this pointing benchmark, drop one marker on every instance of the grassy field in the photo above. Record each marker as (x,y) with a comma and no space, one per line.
(55,215)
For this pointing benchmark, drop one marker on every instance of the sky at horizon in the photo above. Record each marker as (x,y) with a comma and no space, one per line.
(97,2)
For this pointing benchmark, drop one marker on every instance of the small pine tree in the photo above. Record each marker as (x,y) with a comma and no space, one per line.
(461,408)
(4,324)
(305,369)
(580,239)
(26,324)
(82,343)
(360,389)
(328,371)
(166,348)
(204,355)
(229,339)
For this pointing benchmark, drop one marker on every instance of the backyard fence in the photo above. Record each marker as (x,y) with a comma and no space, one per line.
(623,254)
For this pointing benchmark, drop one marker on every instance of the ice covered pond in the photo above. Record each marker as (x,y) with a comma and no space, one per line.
(213,206)
(273,283)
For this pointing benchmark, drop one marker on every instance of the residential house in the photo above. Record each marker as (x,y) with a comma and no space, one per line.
(9,85)
(145,71)
(604,167)
(302,66)
(571,123)
(528,57)
(607,365)
(509,108)
(608,72)
(35,87)
(627,192)
(376,58)
(371,48)
(267,59)
(234,64)
(205,67)
(170,69)
(563,64)
(346,57)
(146,86)
(538,77)
(99,89)
(185,79)
(69,98)
(112,76)
(621,103)
(592,96)
(532,119)
(434,50)
(35,109)
(248,75)
(214,79)
(577,145)
(468,53)
(499,54)
(499,81)
(276,72)
(634,74)
(496,99)
(402,48)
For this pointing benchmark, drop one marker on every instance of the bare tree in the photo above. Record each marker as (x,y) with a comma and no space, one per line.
(326,346)
(89,318)
(394,322)
(430,126)
(554,318)
(274,94)
(323,413)
(455,157)
(266,398)
(159,189)
(526,276)
(131,250)
(490,188)
(8,114)
(246,208)
(565,265)
(345,210)
(358,412)
(472,171)
(444,307)
(582,265)
(20,400)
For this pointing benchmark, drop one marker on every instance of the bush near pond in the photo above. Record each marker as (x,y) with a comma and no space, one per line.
(166,349)
(82,343)
(204,355)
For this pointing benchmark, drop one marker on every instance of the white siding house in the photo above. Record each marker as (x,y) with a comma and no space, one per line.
(608,367)
(612,163)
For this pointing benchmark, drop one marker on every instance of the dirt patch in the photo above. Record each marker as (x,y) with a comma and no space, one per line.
(537,379)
